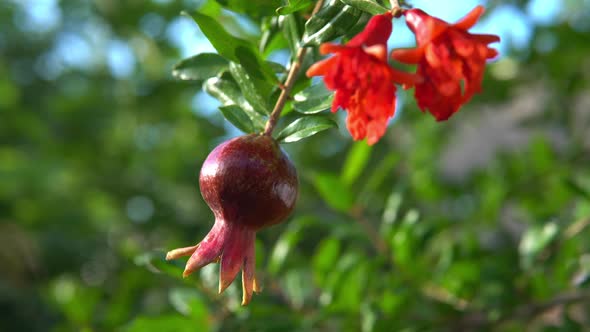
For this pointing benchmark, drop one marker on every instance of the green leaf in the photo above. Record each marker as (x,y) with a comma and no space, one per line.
(313,99)
(155,261)
(277,67)
(297,287)
(252,8)
(368,6)
(228,93)
(199,67)
(239,118)
(394,201)
(305,127)
(352,287)
(294,6)
(221,40)
(325,257)
(335,27)
(534,241)
(323,16)
(286,242)
(160,323)
(355,163)
(383,169)
(577,188)
(253,87)
(334,192)
(189,302)
(232,48)
(403,241)
(292,32)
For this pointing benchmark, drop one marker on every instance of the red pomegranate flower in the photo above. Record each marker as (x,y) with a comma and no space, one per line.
(450,59)
(363,80)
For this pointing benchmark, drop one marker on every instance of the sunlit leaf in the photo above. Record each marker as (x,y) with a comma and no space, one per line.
(323,16)
(313,99)
(534,241)
(325,257)
(232,48)
(357,159)
(238,117)
(228,93)
(254,89)
(369,6)
(200,67)
(284,245)
(294,6)
(305,127)
(292,31)
(335,26)
(390,211)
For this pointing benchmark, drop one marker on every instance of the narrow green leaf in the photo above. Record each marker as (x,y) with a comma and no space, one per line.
(228,93)
(155,261)
(168,322)
(334,192)
(294,6)
(325,257)
(188,302)
(355,163)
(292,32)
(313,99)
(323,16)
(199,67)
(305,127)
(334,28)
(368,6)
(534,241)
(253,88)
(390,212)
(297,287)
(232,48)
(285,243)
(238,117)
(222,41)
(277,67)
(577,188)
(352,287)
(383,169)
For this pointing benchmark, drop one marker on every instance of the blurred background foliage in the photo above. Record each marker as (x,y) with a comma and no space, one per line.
(479,223)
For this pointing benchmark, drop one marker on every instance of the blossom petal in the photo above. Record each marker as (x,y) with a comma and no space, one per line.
(486,39)
(408,55)
(377,31)
(232,257)
(424,26)
(470,19)
(208,250)
(320,68)
(248,271)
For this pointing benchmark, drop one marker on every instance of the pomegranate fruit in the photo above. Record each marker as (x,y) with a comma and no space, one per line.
(249,183)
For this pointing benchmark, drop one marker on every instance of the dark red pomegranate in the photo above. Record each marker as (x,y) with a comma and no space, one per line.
(249,183)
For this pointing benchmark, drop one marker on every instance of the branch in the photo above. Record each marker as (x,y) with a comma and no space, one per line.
(289,82)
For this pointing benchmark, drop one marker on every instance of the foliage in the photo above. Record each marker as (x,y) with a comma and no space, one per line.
(476,224)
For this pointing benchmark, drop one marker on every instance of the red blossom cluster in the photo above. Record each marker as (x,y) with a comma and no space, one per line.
(450,65)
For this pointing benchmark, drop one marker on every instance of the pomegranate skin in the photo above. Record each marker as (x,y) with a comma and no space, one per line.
(249,181)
